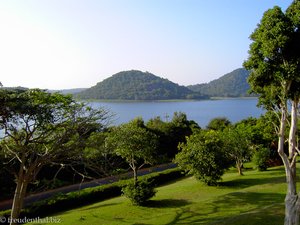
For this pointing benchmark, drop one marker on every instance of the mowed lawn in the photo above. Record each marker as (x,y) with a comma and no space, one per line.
(255,198)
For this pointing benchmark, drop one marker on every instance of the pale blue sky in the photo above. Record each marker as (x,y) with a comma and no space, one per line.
(58,44)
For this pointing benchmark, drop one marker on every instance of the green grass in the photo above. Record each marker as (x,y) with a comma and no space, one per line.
(255,198)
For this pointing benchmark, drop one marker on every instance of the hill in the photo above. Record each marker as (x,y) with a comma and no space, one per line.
(233,84)
(137,85)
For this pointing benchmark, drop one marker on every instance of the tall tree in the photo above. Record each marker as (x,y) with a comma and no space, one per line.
(134,143)
(41,128)
(236,140)
(274,59)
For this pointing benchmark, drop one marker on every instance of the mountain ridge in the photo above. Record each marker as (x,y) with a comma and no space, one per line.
(233,84)
(137,85)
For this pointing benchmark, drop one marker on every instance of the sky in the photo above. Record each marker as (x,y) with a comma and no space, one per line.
(62,44)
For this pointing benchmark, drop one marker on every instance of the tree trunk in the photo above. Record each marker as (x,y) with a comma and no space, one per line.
(134,176)
(239,166)
(292,201)
(18,200)
(292,207)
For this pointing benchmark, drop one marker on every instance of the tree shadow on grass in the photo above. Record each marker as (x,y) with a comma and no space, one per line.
(237,208)
(243,182)
(167,203)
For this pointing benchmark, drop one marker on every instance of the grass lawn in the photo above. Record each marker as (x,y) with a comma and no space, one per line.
(255,198)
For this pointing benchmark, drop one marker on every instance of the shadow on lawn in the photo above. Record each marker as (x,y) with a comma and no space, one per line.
(243,182)
(237,208)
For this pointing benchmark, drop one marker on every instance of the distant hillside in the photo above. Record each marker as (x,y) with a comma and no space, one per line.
(137,85)
(233,84)
(20,88)
(69,91)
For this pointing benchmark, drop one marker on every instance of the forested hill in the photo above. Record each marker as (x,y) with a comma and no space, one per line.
(69,91)
(233,84)
(137,85)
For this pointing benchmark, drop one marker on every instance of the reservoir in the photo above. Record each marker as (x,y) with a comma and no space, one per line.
(200,111)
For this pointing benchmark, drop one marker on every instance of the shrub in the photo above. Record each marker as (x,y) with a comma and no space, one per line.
(140,192)
(165,177)
(261,158)
(204,156)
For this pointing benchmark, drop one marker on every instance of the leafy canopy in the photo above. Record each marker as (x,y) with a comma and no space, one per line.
(204,156)
(274,56)
(133,142)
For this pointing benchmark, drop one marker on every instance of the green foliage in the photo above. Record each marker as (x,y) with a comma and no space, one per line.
(238,145)
(139,193)
(233,84)
(44,127)
(171,133)
(101,158)
(274,56)
(61,202)
(261,134)
(261,158)
(219,123)
(137,85)
(133,142)
(204,156)
(41,128)
(164,177)
(274,59)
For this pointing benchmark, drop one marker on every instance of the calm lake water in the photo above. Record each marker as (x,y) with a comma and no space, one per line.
(200,111)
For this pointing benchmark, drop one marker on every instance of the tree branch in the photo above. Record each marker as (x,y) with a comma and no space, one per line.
(14,153)
(294,160)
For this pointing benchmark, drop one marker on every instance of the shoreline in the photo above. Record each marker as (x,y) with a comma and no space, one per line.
(162,100)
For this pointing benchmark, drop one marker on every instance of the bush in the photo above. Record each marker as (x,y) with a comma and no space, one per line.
(140,192)
(162,178)
(204,156)
(261,158)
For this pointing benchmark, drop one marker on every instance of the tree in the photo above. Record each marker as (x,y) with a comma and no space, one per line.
(204,156)
(99,157)
(39,129)
(238,145)
(171,133)
(260,158)
(133,142)
(262,140)
(274,59)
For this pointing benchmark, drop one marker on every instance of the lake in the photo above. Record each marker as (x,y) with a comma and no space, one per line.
(200,111)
